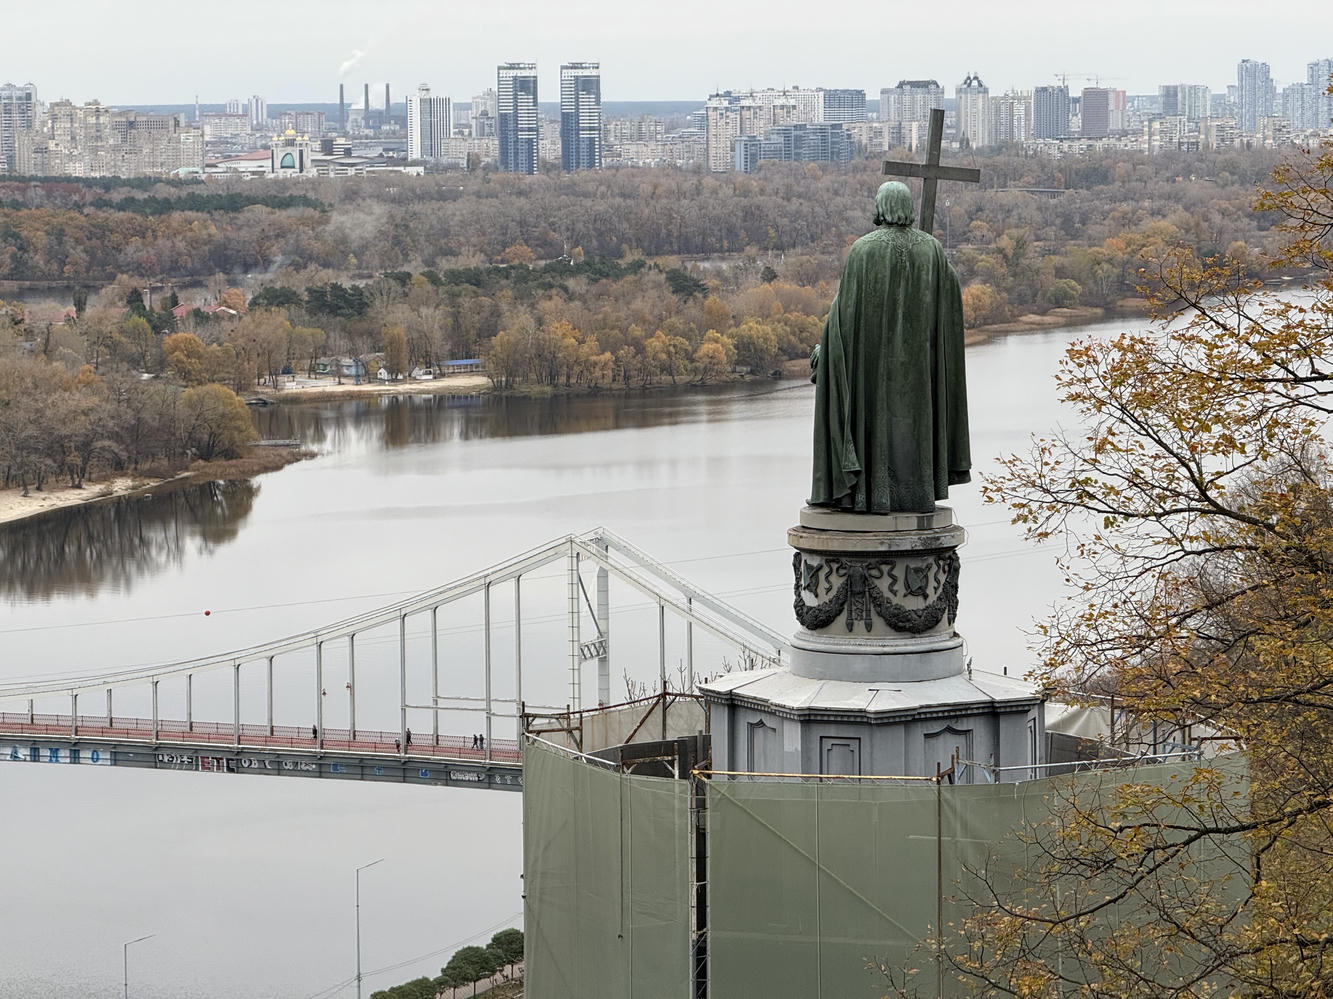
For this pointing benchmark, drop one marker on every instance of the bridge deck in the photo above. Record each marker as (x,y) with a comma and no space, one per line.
(219,747)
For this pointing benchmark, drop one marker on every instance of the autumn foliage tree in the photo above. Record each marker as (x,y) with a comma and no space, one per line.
(1194,504)
(214,421)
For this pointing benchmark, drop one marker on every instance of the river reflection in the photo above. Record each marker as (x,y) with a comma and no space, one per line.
(79,550)
(400,421)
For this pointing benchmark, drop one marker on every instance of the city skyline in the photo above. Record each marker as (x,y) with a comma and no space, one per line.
(1134,46)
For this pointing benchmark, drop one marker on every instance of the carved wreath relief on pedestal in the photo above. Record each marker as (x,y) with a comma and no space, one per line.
(866,587)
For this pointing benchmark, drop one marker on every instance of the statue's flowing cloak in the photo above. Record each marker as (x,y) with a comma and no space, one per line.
(890,393)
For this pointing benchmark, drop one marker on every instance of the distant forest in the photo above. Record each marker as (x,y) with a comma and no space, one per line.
(796,219)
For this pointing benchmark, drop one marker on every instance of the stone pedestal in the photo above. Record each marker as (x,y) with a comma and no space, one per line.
(877,682)
(876,596)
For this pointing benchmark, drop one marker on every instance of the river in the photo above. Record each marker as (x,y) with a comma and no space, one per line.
(247,883)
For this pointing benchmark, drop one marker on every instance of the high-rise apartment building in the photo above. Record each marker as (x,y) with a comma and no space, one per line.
(258,108)
(1050,112)
(481,114)
(972,107)
(844,107)
(1296,104)
(791,105)
(1188,100)
(581,116)
(430,123)
(1168,100)
(730,115)
(1095,110)
(1254,91)
(516,116)
(815,142)
(92,140)
(907,104)
(644,128)
(233,106)
(726,120)
(18,113)
(1011,117)
(1317,76)
(1195,101)
(224,126)
(302,122)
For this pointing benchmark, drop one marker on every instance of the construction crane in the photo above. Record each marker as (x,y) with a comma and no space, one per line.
(1096,78)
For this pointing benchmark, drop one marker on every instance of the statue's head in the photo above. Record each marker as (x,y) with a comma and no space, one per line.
(893,204)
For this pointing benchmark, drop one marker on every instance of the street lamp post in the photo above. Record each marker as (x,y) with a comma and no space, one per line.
(358,922)
(125,953)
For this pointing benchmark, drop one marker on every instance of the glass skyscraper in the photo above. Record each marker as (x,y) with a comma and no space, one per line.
(581,116)
(516,116)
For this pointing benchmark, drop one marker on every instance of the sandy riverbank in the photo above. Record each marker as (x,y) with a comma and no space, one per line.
(1056,319)
(14,506)
(322,389)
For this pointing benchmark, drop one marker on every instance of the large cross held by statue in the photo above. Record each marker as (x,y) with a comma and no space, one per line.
(931,172)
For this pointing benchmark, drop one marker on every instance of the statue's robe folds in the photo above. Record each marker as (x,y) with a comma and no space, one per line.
(890,393)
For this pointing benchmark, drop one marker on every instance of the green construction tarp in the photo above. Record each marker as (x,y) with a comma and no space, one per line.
(606,881)
(810,883)
(807,883)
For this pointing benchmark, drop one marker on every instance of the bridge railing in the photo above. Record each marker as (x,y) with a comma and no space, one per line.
(222,734)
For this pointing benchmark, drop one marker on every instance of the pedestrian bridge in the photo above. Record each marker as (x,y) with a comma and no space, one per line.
(264,709)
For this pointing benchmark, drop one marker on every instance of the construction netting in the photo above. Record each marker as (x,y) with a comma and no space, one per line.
(809,882)
(814,883)
(606,881)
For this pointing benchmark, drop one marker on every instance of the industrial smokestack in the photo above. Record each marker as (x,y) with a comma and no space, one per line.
(365,105)
(342,111)
(387,105)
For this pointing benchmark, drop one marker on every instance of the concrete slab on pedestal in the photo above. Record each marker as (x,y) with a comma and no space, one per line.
(902,660)
(824,518)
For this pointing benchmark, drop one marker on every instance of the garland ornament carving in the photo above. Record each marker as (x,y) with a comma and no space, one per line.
(851,585)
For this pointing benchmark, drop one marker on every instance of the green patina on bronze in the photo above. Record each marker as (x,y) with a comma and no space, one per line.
(890,392)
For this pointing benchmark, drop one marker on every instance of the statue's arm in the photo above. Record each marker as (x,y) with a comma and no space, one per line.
(817,353)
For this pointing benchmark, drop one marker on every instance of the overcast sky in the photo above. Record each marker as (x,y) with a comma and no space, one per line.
(163,51)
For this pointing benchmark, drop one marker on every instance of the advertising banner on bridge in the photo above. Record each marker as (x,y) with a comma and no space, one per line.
(56,754)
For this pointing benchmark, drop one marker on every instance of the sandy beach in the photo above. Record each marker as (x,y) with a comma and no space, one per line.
(15,506)
(312,390)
